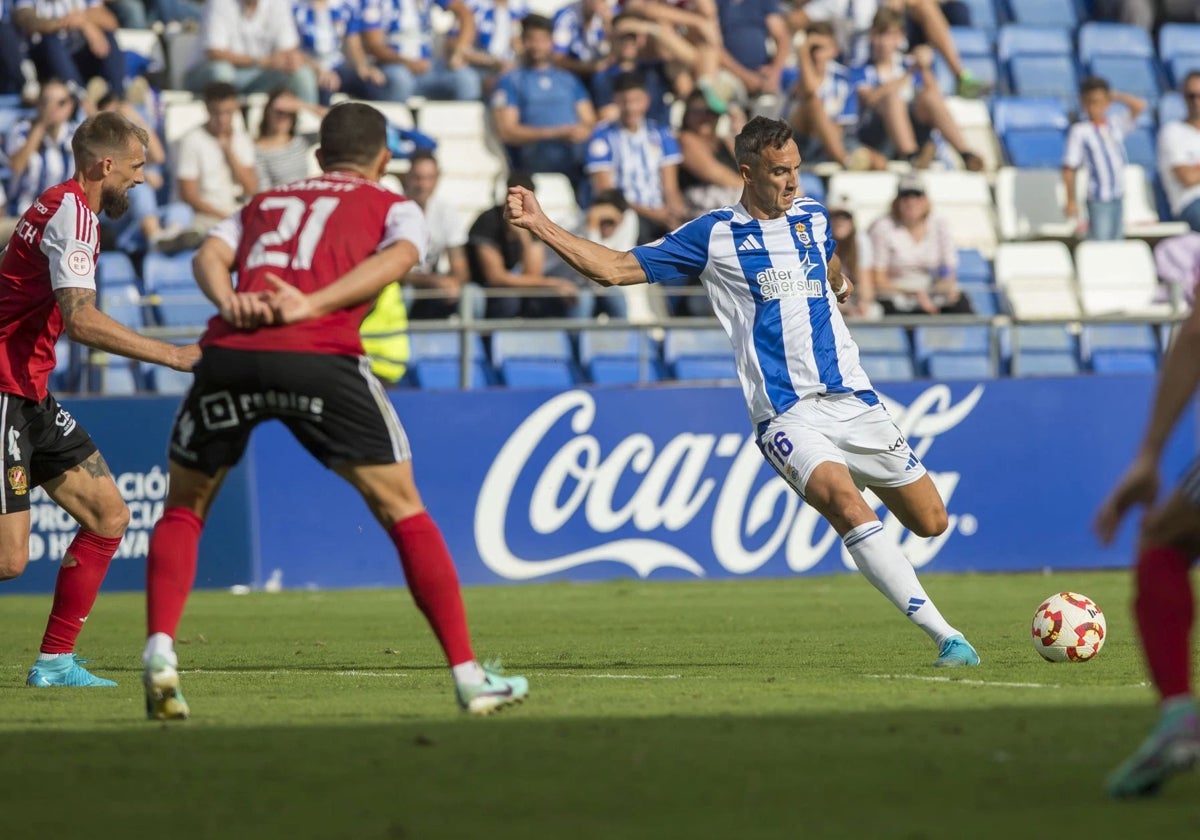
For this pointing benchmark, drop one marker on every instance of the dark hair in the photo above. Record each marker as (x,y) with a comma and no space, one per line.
(531,22)
(614,197)
(107,99)
(219,92)
(1094,83)
(103,134)
(271,97)
(420,155)
(628,80)
(885,20)
(819,27)
(352,133)
(520,178)
(758,134)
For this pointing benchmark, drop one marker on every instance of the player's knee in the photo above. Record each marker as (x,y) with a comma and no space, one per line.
(932,524)
(111,521)
(13,563)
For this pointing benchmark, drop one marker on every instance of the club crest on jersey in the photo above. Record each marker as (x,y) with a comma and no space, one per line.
(802,233)
(18,480)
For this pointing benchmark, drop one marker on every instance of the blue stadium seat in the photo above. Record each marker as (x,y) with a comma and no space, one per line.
(981,296)
(164,380)
(1046,75)
(1045,338)
(1062,13)
(984,68)
(1045,363)
(532,344)
(1119,337)
(973,267)
(119,377)
(536,373)
(812,186)
(1141,148)
(932,341)
(1178,39)
(1039,148)
(113,268)
(695,343)
(1123,39)
(1133,74)
(1179,66)
(705,367)
(888,367)
(621,371)
(983,14)
(1124,361)
(1017,40)
(1015,113)
(444,374)
(443,345)
(1171,107)
(183,308)
(615,356)
(11,116)
(973,42)
(160,271)
(879,338)
(65,376)
(123,303)
(960,366)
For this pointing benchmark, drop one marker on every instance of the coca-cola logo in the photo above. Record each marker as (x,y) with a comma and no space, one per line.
(691,478)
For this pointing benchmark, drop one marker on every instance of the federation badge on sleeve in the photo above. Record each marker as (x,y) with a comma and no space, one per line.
(802,233)
(18,480)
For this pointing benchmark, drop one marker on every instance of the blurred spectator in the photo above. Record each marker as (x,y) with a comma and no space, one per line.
(215,165)
(695,55)
(1138,12)
(913,259)
(657,53)
(146,226)
(854,250)
(823,105)
(581,37)
(445,269)
(923,21)
(398,35)
(1097,142)
(130,14)
(72,40)
(39,147)
(900,100)
(746,27)
(173,13)
(505,257)
(280,154)
(1179,156)
(497,37)
(8,221)
(708,172)
(11,49)
(331,39)
(542,113)
(640,158)
(1179,11)
(1177,261)
(384,333)
(252,45)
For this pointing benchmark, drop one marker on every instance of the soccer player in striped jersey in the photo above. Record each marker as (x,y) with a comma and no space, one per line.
(768,266)
(1168,545)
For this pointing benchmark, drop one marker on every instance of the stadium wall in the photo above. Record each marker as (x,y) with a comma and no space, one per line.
(662,483)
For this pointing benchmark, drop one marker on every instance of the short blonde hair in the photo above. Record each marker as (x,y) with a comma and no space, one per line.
(104,134)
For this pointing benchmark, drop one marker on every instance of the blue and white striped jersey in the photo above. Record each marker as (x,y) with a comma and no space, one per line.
(635,158)
(496,25)
(578,37)
(323,30)
(1101,148)
(406,24)
(768,284)
(51,164)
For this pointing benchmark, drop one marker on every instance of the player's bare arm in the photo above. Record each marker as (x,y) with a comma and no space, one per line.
(839,281)
(1177,385)
(594,261)
(213,269)
(87,325)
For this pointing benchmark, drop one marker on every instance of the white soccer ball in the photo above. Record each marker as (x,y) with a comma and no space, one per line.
(1068,627)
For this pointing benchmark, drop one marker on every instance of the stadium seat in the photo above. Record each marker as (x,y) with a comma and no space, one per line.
(683,342)
(1016,39)
(1037,279)
(981,296)
(1119,337)
(1120,39)
(932,341)
(617,356)
(984,68)
(1118,278)
(705,368)
(557,197)
(1135,74)
(469,195)
(1039,147)
(164,380)
(1060,13)
(1179,66)
(975,121)
(1178,39)
(445,374)
(1045,363)
(965,200)
(181,117)
(175,308)
(1029,204)
(65,376)
(974,41)
(983,14)
(466,143)
(1032,130)
(1124,361)
(1046,75)
(961,366)
(143,50)
(160,271)
(397,113)
(444,345)
(620,371)
(113,268)
(536,373)
(1140,207)
(11,116)
(541,345)
(123,303)
(1171,107)
(812,186)
(880,339)
(181,45)
(1140,147)
(973,267)
(1044,338)
(888,367)
(869,195)
(114,375)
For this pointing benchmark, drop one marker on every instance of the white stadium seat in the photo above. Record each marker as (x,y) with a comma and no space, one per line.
(1029,204)
(1118,278)
(975,122)
(1037,278)
(868,194)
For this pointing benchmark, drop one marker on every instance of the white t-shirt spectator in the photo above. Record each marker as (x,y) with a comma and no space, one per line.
(1178,145)
(446,231)
(226,26)
(912,266)
(200,158)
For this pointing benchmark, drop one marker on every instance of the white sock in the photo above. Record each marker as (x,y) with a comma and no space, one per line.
(885,566)
(469,673)
(49,657)
(160,644)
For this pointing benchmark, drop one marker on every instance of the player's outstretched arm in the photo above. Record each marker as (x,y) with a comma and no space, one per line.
(213,269)
(88,325)
(594,261)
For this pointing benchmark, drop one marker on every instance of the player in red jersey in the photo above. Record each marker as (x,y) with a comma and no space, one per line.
(48,285)
(310,258)
(1168,545)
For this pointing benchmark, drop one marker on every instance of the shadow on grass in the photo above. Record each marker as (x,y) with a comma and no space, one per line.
(1001,773)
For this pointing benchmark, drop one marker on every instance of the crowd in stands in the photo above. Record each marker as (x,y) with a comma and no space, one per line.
(633,105)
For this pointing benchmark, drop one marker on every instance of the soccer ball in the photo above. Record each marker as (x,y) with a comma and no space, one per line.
(1068,627)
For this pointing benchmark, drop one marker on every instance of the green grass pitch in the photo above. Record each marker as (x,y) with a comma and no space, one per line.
(798,708)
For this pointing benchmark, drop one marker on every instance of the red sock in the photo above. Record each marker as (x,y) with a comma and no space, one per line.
(76,589)
(1164,610)
(171,568)
(433,583)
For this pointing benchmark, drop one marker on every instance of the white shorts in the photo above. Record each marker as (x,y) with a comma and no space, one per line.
(850,429)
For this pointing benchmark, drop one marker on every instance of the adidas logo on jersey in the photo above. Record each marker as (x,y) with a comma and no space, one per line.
(751,244)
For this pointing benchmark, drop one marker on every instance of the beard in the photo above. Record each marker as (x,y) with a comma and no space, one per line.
(114,202)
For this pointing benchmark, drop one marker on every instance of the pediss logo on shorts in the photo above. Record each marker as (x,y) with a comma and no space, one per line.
(18,480)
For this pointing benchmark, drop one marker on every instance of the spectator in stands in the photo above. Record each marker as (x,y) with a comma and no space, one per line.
(542,113)
(252,45)
(146,226)
(281,155)
(581,37)
(331,39)
(130,14)
(1179,156)
(11,49)
(913,258)
(398,35)
(72,40)
(658,54)
(8,221)
(640,158)
(497,38)
(215,165)
(901,102)
(1138,12)
(746,27)
(924,22)
(445,269)
(708,172)
(699,47)
(39,147)
(1097,142)
(505,257)
(823,105)
(854,250)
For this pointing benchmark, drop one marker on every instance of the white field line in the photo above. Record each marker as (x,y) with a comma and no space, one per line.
(960,681)
(286,673)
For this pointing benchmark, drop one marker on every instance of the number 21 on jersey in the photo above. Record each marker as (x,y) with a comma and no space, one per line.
(291,244)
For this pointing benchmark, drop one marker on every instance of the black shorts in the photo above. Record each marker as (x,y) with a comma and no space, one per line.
(334,406)
(38,442)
